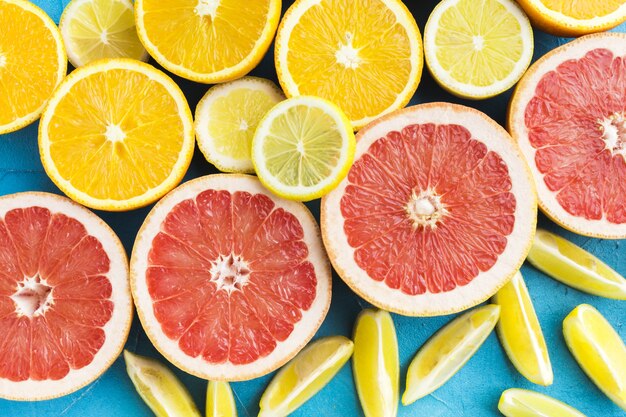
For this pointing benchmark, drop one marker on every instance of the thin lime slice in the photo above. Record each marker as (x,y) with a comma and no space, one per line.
(516,402)
(219,400)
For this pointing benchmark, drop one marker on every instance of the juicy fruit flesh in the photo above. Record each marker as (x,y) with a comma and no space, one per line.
(54,295)
(576,124)
(583,9)
(229,311)
(390,225)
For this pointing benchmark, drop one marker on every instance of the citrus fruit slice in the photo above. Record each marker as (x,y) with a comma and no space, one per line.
(229,281)
(477,50)
(599,351)
(96,29)
(305,376)
(227,117)
(302,148)
(447,351)
(32,63)
(520,333)
(207,41)
(517,402)
(567,115)
(219,400)
(160,389)
(116,135)
(365,56)
(375,363)
(574,266)
(65,307)
(436,214)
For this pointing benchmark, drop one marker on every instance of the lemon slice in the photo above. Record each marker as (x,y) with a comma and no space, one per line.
(227,117)
(478,49)
(219,400)
(517,402)
(303,148)
(305,375)
(520,333)
(574,266)
(599,351)
(447,351)
(159,387)
(375,363)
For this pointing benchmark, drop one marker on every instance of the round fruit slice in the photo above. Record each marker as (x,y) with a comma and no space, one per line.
(229,281)
(220,401)
(96,29)
(436,214)
(365,56)
(116,135)
(32,63)
(517,402)
(65,307)
(227,117)
(476,49)
(208,41)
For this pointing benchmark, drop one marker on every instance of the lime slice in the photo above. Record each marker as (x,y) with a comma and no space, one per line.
(516,402)
(448,350)
(305,375)
(303,148)
(599,351)
(375,363)
(158,386)
(520,333)
(219,400)
(573,266)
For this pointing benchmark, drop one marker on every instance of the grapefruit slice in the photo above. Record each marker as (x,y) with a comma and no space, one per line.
(65,308)
(229,281)
(436,214)
(568,117)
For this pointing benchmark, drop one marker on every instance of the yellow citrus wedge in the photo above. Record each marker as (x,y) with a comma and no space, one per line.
(305,375)
(520,333)
(219,400)
(208,41)
(32,63)
(517,402)
(599,351)
(375,363)
(574,266)
(448,350)
(363,55)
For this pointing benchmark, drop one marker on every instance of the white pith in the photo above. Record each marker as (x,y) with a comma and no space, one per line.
(33,297)
(207,8)
(347,55)
(425,209)
(230,273)
(613,129)
(3,60)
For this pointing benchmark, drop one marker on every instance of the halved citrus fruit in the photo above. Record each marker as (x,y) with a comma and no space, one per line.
(229,281)
(32,63)
(365,56)
(436,214)
(65,307)
(568,117)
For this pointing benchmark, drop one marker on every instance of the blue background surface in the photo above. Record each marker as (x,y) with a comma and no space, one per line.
(473,392)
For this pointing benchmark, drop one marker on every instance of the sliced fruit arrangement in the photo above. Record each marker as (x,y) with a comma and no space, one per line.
(220,401)
(574,266)
(436,214)
(517,402)
(305,376)
(65,307)
(32,63)
(116,135)
(207,41)
(567,115)
(476,49)
(229,281)
(365,56)
(227,117)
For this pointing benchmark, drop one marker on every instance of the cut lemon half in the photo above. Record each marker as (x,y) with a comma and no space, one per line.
(599,351)
(520,333)
(375,363)
(447,351)
(517,402)
(116,135)
(574,266)
(208,41)
(305,376)
(32,63)
(220,401)
(227,117)
(478,49)
(96,29)
(303,148)
(365,56)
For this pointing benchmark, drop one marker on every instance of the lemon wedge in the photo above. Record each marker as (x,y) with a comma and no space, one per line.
(219,400)
(516,402)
